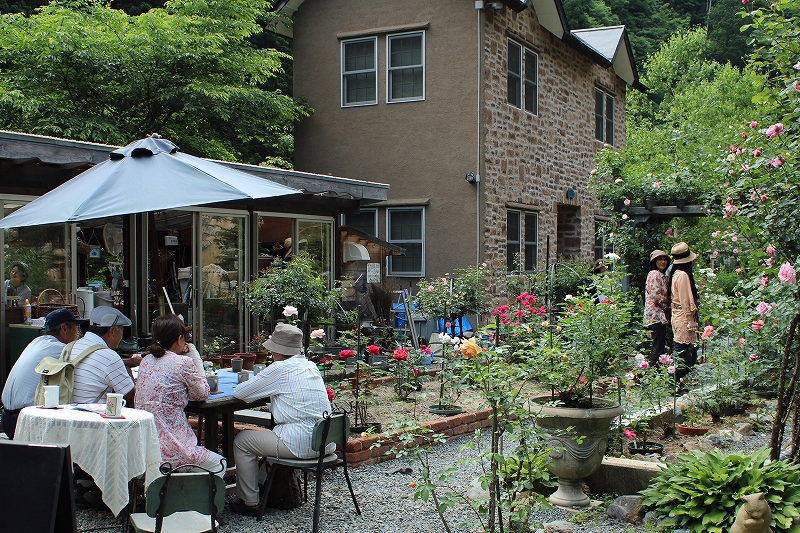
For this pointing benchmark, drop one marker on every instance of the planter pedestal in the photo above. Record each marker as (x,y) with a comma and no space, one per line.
(573,459)
(446,410)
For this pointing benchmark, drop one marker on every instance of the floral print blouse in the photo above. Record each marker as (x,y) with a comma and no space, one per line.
(655,298)
(164,386)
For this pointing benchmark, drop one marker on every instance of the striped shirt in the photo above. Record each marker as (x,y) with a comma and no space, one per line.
(99,373)
(298,396)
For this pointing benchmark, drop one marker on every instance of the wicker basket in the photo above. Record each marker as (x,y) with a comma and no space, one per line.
(47,302)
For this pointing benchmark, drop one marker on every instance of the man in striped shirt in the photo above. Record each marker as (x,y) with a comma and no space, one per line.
(299,399)
(102,371)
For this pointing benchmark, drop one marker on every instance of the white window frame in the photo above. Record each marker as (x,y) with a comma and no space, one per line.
(607,120)
(345,73)
(390,69)
(525,85)
(389,267)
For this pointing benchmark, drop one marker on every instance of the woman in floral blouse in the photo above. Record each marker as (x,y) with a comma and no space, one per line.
(167,381)
(655,304)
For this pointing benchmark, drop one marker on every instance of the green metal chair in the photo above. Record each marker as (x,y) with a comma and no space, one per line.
(181,502)
(332,428)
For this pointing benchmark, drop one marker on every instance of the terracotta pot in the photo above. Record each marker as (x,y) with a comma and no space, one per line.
(248,360)
(261,358)
(692,431)
(216,360)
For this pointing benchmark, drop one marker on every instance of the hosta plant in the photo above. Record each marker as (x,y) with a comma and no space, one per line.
(703,491)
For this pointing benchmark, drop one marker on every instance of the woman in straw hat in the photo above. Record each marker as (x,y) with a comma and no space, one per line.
(655,304)
(683,300)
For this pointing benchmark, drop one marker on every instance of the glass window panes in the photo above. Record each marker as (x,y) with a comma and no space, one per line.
(514,74)
(603,117)
(513,228)
(531,240)
(531,97)
(363,220)
(406,66)
(359,79)
(406,229)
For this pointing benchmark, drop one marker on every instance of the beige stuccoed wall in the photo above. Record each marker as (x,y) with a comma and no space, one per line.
(424,149)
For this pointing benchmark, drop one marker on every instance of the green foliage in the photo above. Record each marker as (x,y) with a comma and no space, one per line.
(702,491)
(188,71)
(294,283)
(454,295)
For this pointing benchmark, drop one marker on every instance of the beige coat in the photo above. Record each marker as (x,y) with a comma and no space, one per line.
(684,309)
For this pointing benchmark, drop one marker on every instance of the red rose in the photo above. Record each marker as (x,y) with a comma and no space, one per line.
(400,354)
(345,354)
(331,394)
(374,349)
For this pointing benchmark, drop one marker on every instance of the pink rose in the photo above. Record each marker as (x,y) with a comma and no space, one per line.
(657,184)
(627,201)
(665,359)
(742,341)
(707,332)
(763,308)
(629,434)
(757,152)
(771,251)
(787,274)
(757,325)
(753,356)
(776,162)
(754,124)
(430,288)
(317,334)
(644,365)
(671,369)
(774,130)
(764,281)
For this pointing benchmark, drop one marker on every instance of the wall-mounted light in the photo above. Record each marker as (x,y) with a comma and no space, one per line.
(496,6)
(472,178)
(571,193)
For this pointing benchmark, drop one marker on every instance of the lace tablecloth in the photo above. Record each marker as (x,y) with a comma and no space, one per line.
(112,451)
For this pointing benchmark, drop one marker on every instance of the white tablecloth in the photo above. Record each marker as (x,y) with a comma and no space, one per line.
(112,451)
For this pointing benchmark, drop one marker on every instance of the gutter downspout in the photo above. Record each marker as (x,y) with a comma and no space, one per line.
(479,147)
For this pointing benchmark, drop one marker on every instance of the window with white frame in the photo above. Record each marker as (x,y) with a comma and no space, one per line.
(523,78)
(365,220)
(359,72)
(522,240)
(406,67)
(405,227)
(603,116)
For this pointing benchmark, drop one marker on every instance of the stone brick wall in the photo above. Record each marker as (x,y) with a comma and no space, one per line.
(531,160)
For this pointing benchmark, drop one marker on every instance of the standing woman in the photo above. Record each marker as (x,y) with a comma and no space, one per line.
(655,304)
(167,381)
(683,299)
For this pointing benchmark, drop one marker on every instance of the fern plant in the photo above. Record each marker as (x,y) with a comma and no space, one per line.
(702,491)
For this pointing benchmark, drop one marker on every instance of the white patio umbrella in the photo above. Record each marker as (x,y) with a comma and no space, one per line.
(147,175)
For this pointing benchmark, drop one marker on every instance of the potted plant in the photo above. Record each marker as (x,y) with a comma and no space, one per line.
(448,385)
(212,350)
(584,349)
(693,417)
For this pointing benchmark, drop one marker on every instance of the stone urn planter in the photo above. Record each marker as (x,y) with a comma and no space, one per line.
(576,453)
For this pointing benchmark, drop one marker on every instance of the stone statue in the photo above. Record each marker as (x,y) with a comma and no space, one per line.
(754,515)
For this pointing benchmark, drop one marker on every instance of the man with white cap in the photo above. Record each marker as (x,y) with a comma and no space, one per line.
(299,399)
(102,371)
(62,327)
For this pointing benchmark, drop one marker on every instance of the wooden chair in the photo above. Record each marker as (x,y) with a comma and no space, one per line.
(332,428)
(181,502)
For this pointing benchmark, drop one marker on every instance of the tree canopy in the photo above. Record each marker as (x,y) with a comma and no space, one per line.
(189,71)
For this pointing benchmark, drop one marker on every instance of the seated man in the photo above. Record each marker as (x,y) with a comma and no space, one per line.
(62,327)
(102,371)
(299,399)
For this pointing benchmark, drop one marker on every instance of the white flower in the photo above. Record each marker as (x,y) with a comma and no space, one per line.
(444,337)
(289,310)
(611,256)
(569,297)
(317,334)
(639,358)
(456,341)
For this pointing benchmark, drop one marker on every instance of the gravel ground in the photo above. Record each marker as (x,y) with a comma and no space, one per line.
(388,506)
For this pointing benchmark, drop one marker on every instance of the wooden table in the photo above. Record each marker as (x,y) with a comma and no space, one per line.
(221,407)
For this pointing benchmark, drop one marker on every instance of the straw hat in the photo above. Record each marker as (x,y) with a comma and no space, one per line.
(681,254)
(286,339)
(658,253)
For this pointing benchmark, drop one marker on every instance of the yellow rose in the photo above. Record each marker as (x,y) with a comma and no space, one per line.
(545,324)
(470,348)
(559,328)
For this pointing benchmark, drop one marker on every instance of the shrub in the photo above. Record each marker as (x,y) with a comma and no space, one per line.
(702,491)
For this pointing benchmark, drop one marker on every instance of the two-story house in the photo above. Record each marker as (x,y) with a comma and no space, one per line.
(484,117)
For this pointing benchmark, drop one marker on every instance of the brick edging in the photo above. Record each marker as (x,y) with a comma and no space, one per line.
(360,451)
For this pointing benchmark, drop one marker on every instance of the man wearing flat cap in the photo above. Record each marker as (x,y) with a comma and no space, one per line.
(62,327)
(102,371)
(299,399)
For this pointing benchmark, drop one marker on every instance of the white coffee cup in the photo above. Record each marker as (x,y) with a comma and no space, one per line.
(114,404)
(52,395)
